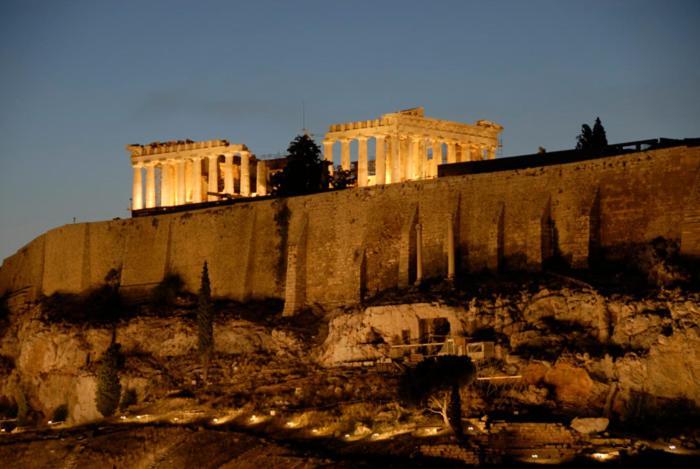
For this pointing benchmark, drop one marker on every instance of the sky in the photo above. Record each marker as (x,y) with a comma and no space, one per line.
(81,79)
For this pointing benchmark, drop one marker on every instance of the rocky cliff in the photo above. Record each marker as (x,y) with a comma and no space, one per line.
(577,351)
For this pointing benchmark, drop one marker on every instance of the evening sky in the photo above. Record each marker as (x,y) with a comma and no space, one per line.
(80,79)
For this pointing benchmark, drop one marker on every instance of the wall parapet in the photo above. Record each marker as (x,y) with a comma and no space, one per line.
(354,243)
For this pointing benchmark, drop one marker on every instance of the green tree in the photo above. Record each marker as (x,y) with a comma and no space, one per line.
(436,383)
(108,385)
(342,178)
(305,172)
(600,139)
(23,409)
(592,140)
(205,321)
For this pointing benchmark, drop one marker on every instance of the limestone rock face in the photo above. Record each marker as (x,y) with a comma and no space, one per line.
(589,425)
(586,308)
(368,335)
(654,344)
(574,387)
(576,350)
(55,364)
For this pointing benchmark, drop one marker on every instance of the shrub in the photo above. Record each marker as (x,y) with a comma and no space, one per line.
(60,414)
(436,382)
(167,291)
(205,320)
(108,386)
(101,305)
(659,261)
(23,409)
(8,409)
(129,398)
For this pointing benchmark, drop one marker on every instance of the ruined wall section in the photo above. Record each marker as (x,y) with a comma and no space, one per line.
(359,242)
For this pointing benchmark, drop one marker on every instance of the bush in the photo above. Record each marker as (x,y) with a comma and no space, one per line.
(23,409)
(128,399)
(659,261)
(101,305)
(305,171)
(436,382)
(8,409)
(60,414)
(168,290)
(205,316)
(108,386)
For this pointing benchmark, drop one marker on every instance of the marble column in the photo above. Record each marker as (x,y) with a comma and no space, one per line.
(437,156)
(491,153)
(196,179)
(150,185)
(451,152)
(380,160)
(172,181)
(476,156)
(180,182)
(427,162)
(228,173)
(345,154)
(245,173)
(213,177)
(169,172)
(466,152)
(362,165)
(261,178)
(395,159)
(188,180)
(421,155)
(328,153)
(404,144)
(164,195)
(137,189)
(413,171)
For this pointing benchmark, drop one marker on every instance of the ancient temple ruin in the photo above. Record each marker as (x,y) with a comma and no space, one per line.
(187,172)
(410,146)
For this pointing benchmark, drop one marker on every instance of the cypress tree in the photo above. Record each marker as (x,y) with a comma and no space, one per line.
(585,138)
(108,386)
(592,141)
(205,320)
(599,139)
(305,171)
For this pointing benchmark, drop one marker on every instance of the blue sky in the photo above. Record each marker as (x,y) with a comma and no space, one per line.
(81,79)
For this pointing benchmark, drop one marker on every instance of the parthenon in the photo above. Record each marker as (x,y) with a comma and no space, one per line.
(410,146)
(184,177)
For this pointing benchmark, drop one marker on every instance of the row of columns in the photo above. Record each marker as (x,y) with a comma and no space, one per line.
(404,158)
(181,180)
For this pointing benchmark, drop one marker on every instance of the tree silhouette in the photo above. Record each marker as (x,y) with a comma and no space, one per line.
(305,172)
(205,321)
(436,382)
(600,140)
(592,140)
(342,178)
(108,386)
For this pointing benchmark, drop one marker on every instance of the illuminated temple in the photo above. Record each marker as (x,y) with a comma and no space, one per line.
(407,146)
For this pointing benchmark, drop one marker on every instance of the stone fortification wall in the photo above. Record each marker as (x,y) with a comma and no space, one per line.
(333,248)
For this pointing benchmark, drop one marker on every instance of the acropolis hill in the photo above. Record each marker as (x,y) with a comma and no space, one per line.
(340,247)
(565,281)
